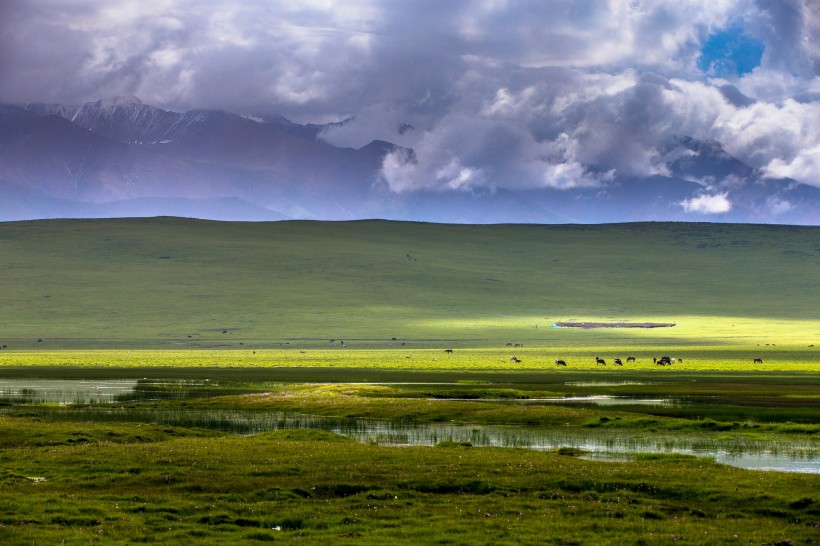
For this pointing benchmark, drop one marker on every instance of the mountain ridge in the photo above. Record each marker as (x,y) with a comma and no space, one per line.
(121,150)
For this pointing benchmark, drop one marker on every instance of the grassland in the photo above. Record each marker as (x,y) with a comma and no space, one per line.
(70,476)
(409,359)
(103,483)
(144,283)
(260,310)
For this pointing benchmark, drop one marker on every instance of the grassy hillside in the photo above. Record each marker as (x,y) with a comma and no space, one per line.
(173,281)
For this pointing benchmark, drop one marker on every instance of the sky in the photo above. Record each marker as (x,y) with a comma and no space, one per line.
(536,94)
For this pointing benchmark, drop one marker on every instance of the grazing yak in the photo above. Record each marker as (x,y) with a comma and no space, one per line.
(618,362)
(757,361)
(599,360)
(630,359)
(559,362)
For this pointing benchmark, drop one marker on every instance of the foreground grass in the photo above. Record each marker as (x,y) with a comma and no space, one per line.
(99,482)
(67,477)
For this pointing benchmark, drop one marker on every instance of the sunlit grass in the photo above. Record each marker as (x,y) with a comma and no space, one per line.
(780,357)
(101,284)
(688,329)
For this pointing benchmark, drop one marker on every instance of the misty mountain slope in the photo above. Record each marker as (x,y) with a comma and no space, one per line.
(21,203)
(223,138)
(273,164)
(212,208)
(59,158)
(484,207)
(754,197)
(630,200)
(694,159)
(124,150)
(65,161)
(70,167)
(228,139)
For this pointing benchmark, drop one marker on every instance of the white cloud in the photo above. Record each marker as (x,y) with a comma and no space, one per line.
(456,176)
(569,175)
(398,171)
(733,181)
(805,166)
(776,206)
(707,204)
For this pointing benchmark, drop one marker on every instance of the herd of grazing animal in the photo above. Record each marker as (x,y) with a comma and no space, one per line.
(662,361)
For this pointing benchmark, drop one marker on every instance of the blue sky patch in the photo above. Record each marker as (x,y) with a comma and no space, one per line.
(729,53)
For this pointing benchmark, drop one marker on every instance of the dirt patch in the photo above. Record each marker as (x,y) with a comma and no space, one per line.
(588,325)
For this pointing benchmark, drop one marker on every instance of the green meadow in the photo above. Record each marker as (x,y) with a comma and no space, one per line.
(409,359)
(227,330)
(143,283)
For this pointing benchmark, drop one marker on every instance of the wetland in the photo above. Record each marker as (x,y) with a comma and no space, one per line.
(250,455)
(173,402)
(209,399)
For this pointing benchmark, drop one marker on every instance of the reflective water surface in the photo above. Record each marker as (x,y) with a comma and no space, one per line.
(797,454)
(64,391)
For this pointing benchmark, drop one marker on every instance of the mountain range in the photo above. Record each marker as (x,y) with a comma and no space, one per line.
(121,157)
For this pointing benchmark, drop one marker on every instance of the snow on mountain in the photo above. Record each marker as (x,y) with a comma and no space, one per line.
(125,119)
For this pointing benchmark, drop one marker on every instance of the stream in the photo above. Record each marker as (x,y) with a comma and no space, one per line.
(800,454)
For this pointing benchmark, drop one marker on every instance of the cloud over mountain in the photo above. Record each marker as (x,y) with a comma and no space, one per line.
(488,95)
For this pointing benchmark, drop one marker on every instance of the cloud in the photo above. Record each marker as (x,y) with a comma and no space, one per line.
(330,57)
(707,204)
(804,166)
(499,94)
(734,96)
(776,206)
(581,130)
(786,27)
(781,139)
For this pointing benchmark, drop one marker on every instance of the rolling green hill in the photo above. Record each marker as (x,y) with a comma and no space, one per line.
(176,281)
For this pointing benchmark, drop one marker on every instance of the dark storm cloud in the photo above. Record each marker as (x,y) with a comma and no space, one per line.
(733,95)
(498,93)
(38,57)
(786,28)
